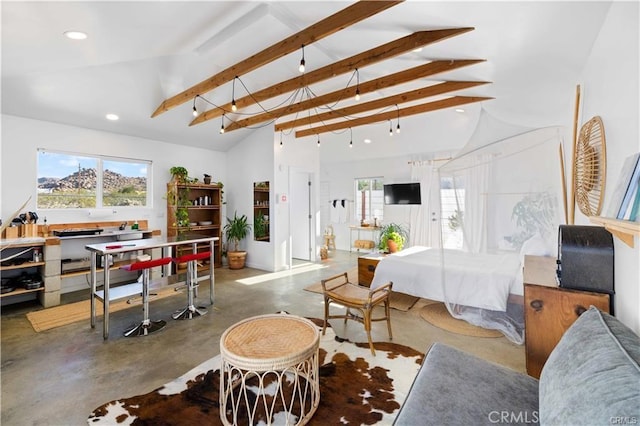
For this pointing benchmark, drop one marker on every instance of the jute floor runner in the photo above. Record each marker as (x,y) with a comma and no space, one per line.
(436,314)
(399,301)
(355,388)
(58,316)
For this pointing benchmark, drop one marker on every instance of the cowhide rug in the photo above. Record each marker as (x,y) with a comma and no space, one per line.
(356,388)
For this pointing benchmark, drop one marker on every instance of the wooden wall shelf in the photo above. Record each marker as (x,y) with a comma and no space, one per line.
(623,229)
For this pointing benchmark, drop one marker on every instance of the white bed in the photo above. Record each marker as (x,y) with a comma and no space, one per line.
(477,280)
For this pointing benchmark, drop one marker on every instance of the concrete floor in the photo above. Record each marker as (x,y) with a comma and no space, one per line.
(57,377)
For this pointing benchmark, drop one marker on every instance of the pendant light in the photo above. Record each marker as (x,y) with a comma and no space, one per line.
(302,62)
(234,108)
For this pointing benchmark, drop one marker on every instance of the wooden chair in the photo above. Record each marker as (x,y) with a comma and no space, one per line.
(339,290)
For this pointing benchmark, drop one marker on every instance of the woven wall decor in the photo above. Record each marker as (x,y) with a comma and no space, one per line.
(589,167)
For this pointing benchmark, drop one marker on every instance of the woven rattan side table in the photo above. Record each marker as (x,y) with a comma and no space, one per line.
(269,371)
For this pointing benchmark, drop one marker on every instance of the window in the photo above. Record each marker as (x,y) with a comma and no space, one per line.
(369,200)
(73,181)
(452,210)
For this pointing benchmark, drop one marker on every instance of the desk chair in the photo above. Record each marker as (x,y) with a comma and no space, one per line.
(338,289)
(146,326)
(191,311)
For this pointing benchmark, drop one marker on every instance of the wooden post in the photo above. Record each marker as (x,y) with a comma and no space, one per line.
(572,202)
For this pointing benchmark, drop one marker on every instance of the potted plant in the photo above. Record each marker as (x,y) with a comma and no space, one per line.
(179,174)
(392,237)
(236,229)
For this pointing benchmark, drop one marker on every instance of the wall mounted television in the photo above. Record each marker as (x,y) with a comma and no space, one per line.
(402,193)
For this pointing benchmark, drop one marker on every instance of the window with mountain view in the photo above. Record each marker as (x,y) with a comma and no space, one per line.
(75,181)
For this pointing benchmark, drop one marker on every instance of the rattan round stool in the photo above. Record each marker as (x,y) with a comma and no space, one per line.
(269,371)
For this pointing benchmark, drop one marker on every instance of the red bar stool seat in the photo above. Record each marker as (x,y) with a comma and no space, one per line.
(191,311)
(146,326)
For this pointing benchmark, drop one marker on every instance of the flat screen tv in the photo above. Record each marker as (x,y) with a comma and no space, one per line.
(402,193)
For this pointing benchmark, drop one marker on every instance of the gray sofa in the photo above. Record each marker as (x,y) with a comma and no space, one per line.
(591,377)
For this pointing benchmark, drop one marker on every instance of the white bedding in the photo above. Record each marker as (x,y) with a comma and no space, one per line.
(478,280)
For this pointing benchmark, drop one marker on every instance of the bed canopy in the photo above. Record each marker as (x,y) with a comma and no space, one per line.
(507,186)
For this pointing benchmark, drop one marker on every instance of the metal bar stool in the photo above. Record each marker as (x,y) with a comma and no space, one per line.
(191,311)
(146,326)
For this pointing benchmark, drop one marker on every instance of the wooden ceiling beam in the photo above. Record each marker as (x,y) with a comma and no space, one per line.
(421,71)
(385,51)
(355,13)
(413,95)
(385,116)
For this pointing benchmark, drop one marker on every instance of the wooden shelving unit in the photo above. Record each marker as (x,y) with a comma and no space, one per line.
(199,205)
(13,247)
(625,230)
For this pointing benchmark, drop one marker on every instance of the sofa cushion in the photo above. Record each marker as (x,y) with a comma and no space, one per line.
(592,376)
(453,387)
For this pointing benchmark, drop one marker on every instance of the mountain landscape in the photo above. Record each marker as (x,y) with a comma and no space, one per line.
(86,179)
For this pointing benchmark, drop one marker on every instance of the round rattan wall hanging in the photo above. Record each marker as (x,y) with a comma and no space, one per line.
(589,167)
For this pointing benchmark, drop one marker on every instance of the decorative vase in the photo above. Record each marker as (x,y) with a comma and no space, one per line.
(393,246)
(207,179)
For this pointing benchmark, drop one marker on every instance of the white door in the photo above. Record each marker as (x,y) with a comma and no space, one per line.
(300,215)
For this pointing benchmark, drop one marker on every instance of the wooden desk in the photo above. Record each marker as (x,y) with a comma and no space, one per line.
(550,310)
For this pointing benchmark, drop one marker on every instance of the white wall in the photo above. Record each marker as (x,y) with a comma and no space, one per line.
(252,161)
(609,85)
(21,137)
(340,178)
(302,156)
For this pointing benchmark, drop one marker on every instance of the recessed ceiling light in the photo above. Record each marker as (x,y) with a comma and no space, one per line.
(112,117)
(75,35)
(459,110)
(367,141)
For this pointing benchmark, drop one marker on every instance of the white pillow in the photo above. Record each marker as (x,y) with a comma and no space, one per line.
(534,246)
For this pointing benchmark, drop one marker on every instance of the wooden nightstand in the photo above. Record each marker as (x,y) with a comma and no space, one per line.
(549,310)
(367,267)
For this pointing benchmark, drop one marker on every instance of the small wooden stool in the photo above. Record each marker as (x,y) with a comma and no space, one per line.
(280,353)
(330,241)
(146,326)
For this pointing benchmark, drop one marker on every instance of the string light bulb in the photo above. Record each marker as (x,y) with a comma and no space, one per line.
(302,61)
(195,110)
(234,108)
(222,125)
(318,141)
(398,125)
(281,140)
(351,138)
(390,129)
(357,85)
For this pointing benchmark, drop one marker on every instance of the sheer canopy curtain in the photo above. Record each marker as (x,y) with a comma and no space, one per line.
(424,226)
(476,184)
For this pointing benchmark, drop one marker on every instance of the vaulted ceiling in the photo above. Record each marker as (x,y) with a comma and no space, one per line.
(412,62)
